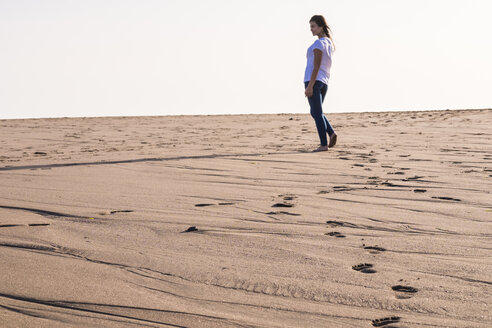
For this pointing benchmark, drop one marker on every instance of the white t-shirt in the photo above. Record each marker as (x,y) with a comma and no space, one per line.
(323,44)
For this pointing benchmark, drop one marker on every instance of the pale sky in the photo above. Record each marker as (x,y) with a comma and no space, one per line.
(73,58)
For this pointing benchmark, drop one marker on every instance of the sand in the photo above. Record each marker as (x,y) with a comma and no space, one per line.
(392,227)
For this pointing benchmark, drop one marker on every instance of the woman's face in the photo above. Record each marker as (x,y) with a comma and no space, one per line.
(315,29)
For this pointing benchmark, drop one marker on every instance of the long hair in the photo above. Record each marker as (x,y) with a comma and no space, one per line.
(320,21)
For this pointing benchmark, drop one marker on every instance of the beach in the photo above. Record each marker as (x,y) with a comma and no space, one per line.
(232,221)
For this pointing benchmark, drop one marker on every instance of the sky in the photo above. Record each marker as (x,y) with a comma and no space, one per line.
(82,58)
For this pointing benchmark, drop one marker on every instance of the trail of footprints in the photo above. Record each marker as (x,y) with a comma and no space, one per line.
(375,180)
(287,201)
(401,291)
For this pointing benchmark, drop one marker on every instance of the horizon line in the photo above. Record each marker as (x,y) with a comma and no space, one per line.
(237,114)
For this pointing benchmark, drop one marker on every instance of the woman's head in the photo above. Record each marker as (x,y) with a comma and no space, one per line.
(319,27)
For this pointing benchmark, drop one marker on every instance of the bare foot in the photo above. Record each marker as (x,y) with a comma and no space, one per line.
(321,148)
(333,140)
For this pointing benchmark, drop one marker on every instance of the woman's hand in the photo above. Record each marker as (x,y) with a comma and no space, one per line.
(309,91)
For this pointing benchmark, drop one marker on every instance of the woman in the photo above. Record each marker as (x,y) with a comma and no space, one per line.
(316,78)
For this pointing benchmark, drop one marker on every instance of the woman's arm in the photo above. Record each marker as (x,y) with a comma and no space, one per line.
(317,63)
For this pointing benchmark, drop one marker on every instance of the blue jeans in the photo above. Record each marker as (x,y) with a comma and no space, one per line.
(315,101)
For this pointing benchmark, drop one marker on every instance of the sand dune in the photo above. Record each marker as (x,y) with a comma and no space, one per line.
(231,221)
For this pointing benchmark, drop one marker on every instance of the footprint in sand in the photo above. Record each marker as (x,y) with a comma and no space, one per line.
(288,196)
(364,268)
(404,292)
(335,234)
(191,229)
(384,321)
(285,197)
(283,205)
(376,248)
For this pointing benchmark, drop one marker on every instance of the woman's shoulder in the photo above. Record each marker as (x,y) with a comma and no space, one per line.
(327,44)
(324,42)
(317,44)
